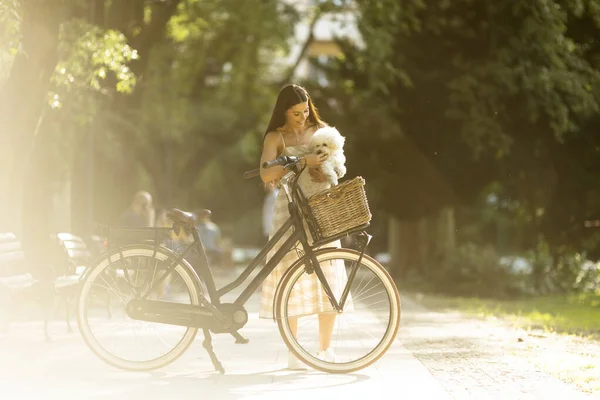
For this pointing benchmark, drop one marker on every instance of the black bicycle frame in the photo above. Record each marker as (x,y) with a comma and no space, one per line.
(297,235)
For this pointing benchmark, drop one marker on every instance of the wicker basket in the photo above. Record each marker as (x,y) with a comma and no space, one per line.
(341,208)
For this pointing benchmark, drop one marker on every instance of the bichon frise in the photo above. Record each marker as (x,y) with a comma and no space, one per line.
(326,140)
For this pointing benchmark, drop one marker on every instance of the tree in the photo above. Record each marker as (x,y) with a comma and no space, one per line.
(481,92)
(58,60)
(192,126)
(24,93)
(171,96)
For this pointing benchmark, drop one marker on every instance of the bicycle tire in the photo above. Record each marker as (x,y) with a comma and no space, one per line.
(183,269)
(283,295)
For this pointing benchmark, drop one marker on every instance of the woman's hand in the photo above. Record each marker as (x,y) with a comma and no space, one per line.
(314,160)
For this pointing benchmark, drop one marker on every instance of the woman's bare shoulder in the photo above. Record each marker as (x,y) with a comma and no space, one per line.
(274,141)
(273,136)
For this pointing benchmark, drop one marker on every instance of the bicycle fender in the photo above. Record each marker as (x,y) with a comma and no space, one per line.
(200,286)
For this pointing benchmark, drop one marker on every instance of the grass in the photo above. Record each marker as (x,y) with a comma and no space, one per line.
(577,314)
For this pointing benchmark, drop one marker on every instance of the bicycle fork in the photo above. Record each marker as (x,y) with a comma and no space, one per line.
(363,239)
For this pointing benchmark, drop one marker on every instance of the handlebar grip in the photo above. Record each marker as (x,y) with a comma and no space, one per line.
(281,160)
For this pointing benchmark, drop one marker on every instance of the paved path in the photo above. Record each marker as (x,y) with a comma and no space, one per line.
(475,359)
(436,356)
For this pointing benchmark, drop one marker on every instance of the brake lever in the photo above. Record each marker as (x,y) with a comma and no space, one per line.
(287,166)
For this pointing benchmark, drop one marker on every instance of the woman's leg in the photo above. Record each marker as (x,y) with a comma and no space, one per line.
(326,323)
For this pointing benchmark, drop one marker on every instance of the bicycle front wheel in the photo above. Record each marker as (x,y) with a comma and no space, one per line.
(352,339)
(115,280)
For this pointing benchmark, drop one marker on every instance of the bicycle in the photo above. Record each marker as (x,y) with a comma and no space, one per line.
(148,271)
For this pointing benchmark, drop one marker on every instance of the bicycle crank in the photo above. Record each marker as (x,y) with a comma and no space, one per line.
(189,315)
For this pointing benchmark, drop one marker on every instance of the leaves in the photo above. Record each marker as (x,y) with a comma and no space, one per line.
(10,21)
(90,54)
(485,92)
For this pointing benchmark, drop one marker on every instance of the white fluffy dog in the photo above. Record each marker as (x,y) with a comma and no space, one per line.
(326,140)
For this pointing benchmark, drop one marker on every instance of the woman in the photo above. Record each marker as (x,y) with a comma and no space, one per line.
(293,122)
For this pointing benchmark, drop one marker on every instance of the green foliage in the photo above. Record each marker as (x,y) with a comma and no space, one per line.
(93,66)
(10,20)
(194,121)
(562,270)
(451,102)
(571,314)
(495,91)
(475,270)
(492,62)
(89,55)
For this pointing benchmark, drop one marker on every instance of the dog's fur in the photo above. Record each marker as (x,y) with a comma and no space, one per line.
(329,141)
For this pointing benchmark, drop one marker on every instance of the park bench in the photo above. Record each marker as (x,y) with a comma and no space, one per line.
(58,277)
(75,258)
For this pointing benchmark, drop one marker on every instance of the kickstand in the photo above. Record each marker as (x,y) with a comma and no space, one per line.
(207,344)
(239,339)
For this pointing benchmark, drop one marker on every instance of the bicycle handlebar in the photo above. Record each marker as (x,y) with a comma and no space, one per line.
(281,160)
(284,161)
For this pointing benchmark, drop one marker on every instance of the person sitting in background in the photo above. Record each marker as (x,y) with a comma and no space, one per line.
(140,214)
(210,234)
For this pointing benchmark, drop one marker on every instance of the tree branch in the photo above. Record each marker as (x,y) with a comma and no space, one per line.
(152,33)
(309,39)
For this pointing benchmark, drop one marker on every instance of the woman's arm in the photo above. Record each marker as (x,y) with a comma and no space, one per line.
(270,151)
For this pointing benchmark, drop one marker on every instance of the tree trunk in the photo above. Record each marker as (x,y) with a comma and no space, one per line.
(408,246)
(413,243)
(23,99)
(446,238)
(396,247)
(37,200)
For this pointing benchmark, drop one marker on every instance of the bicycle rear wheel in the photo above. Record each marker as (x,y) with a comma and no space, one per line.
(361,333)
(120,277)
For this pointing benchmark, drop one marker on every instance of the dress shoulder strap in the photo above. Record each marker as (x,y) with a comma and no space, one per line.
(282,140)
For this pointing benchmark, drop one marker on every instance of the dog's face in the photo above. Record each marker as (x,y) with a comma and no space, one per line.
(326,141)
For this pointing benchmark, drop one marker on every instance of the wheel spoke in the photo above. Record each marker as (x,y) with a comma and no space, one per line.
(120,340)
(362,332)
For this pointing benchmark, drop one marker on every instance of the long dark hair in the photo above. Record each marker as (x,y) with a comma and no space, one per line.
(288,97)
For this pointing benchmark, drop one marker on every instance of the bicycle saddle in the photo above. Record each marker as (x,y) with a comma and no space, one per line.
(185,218)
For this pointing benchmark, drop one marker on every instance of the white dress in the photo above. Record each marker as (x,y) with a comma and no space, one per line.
(309,296)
